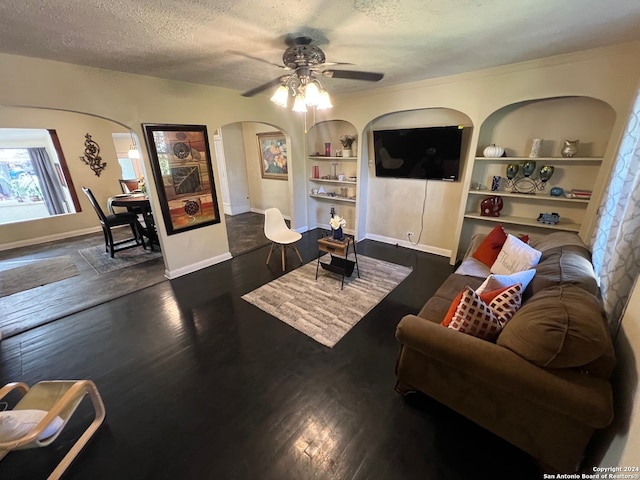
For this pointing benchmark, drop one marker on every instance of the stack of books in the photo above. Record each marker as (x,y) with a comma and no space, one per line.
(584,194)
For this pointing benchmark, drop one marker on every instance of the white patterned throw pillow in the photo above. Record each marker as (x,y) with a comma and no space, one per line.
(515,256)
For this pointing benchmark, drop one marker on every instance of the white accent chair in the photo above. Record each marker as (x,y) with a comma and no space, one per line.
(281,236)
(42,413)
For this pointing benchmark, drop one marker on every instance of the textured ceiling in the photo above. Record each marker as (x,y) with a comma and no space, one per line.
(212,42)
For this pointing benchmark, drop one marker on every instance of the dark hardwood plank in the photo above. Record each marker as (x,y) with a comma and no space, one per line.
(198,384)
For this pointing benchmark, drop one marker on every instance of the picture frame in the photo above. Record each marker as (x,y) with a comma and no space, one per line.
(181,165)
(272,153)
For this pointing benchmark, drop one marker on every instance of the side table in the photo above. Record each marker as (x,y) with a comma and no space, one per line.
(339,251)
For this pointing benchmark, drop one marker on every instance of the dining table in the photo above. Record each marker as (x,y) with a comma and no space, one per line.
(138,203)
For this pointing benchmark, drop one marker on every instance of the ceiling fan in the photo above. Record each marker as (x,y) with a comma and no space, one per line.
(307,62)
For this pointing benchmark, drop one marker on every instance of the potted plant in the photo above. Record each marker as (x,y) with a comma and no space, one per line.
(347,142)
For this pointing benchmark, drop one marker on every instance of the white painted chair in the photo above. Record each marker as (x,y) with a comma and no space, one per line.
(42,413)
(281,236)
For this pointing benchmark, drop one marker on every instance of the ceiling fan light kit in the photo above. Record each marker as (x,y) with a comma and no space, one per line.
(307,62)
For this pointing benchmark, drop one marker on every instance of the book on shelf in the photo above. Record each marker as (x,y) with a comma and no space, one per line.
(578,193)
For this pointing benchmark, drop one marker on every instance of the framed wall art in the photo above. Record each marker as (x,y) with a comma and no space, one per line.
(181,164)
(272,152)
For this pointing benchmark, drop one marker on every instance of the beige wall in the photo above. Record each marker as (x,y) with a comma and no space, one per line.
(132,100)
(610,74)
(263,192)
(71,129)
(596,73)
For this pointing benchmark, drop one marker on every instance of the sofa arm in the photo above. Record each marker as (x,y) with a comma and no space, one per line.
(576,395)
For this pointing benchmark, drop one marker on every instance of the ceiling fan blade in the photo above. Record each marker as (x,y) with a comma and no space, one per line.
(330,64)
(273,83)
(354,75)
(242,54)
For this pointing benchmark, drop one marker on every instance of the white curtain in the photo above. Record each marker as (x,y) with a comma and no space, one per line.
(616,241)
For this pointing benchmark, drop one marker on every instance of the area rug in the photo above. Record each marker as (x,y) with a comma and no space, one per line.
(102,262)
(319,308)
(36,274)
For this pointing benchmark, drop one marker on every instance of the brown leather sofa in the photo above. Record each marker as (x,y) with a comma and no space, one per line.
(543,385)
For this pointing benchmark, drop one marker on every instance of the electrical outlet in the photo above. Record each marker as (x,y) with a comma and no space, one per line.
(409,235)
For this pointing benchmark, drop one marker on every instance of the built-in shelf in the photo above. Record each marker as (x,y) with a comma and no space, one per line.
(567,160)
(333,198)
(527,196)
(322,157)
(569,227)
(327,180)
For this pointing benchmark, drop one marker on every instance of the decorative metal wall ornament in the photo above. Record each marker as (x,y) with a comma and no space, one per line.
(92,156)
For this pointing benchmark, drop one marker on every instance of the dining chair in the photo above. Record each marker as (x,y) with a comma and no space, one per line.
(116,220)
(42,412)
(128,186)
(281,236)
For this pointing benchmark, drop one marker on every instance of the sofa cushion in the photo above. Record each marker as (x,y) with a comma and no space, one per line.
(494,282)
(485,317)
(488,250)
(515,256)
(486,297)
(437,306)
(560,327)
(564,265)
(474,317)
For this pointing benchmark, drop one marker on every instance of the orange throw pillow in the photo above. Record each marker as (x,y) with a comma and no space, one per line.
(488,250)
(486,297)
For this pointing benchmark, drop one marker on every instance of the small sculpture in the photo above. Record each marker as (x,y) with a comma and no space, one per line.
(570,148)
(491,206)
(549,218)
(493,151)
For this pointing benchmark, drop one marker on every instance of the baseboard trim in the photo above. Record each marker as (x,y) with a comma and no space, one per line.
(443,252)
(49,238)
(171,274)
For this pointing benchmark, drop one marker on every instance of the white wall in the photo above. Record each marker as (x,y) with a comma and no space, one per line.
(236,164)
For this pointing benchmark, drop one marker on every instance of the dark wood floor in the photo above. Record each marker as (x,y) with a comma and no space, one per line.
(199,384)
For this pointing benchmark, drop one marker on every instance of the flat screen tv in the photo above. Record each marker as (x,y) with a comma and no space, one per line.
(423,153)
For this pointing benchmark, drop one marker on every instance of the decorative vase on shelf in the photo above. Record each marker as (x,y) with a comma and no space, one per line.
(346,152)
(512,170)
(570,148)
(337,234)
(545,172)
(528,168)
(536,145)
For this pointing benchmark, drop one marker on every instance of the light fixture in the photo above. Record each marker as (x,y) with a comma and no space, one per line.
(281,96)
(299,104)
(306,91)
(133,149)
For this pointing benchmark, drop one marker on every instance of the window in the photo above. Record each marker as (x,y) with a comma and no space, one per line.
(34,179)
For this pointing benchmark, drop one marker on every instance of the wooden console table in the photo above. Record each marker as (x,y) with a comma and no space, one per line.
(339,251)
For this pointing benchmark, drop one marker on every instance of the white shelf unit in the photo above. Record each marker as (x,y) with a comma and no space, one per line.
(340,194)
(513,127)
(522,209)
